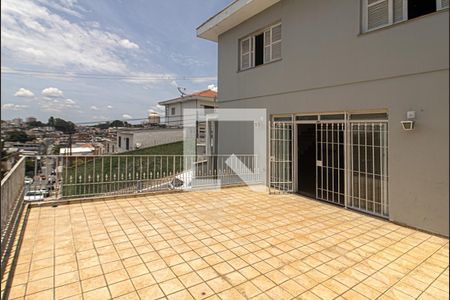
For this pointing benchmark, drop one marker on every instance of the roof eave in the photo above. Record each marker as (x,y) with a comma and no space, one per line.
(231,16)
(184,99)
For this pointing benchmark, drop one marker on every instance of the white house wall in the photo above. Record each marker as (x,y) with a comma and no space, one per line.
(150,138)
(329,66)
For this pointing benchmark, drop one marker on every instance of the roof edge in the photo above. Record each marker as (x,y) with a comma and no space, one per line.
(185,98)
(231,16)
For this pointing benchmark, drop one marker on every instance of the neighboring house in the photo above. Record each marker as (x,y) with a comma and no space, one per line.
(28,147)
(174,107)
(205,132)
(129,139)
(77,150)
(110,145)
(337,79)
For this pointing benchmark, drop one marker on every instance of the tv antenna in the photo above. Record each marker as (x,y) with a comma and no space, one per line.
(182,91)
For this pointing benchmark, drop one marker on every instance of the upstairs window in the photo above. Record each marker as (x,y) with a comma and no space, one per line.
(172,111)
(120,142)
(260,48)
(127,143)
(381,13)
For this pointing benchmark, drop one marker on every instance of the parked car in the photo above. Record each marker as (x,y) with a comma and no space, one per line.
(28,180)
(34,196)
(45,191)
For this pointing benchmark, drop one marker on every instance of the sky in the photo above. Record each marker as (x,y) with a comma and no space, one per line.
(99,60)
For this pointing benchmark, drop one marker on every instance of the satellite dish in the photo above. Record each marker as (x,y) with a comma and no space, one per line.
(182,91)
(138,145)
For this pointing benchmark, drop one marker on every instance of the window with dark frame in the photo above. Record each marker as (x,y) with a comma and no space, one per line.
(127,143)
(381,13)
(172,111)
(120,142)
(260,48)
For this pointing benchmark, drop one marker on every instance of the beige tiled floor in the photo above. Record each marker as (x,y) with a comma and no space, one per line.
(232,244)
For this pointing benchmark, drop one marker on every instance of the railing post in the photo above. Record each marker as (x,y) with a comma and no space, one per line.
(173,165)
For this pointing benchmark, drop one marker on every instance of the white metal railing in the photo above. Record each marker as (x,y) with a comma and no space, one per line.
(12,188)
(60,177)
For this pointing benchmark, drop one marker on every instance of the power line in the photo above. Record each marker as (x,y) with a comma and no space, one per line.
(25,72)
(170,119)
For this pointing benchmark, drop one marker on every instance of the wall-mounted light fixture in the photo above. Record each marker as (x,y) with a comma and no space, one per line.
(410,121)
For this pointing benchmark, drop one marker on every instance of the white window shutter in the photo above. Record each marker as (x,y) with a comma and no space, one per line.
(441,4)
(276,33)
(276,42)
(378,13)
(252,51)
(246,53)
(400,10)
(267,48)
(276,50)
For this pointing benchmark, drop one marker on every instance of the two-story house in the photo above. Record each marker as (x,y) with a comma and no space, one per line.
(204,131)
(129,139)
(198,100)
(357,94)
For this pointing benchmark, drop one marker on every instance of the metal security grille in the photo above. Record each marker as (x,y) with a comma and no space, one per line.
(330,164)
(351,159)
(281,168)
(368,167)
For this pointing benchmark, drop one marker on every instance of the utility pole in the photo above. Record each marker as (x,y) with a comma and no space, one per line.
(70,144)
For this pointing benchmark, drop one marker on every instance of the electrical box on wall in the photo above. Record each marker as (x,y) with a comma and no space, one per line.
(411,115)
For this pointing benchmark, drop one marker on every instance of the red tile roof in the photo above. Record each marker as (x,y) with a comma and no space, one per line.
(205,93)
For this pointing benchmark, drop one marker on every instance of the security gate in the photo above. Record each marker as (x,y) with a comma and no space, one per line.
(368,167)
(280,155)
(330,162)
(341,159)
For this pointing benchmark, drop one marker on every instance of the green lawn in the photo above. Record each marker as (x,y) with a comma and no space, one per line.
(166,149)
(106,174)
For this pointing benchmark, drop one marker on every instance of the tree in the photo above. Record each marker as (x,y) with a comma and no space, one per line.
(55,149)
(35,124)
(51,122)
(18,136)
(102,125)
(64,126)
(118,123)
(115,123)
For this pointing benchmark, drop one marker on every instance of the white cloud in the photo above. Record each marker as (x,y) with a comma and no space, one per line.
(101,117)
(206,79)
(66,6)
(50,104)
(109,107)
(186,61)
(52,92)
(24,93)
(212,87)
(11,106)
(127,116)
(148,78)
(32,33)
(157,109)
(127,44)
(93,107)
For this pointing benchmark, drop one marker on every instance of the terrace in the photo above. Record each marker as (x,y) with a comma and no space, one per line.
(232,243)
